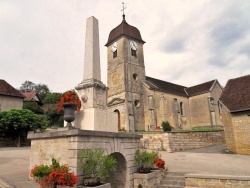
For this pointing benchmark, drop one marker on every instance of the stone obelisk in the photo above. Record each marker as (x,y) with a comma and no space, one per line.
(94,114)
(91,90)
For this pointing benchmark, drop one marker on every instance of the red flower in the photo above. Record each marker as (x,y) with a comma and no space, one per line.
(57,175)
(69,97)
(160,163)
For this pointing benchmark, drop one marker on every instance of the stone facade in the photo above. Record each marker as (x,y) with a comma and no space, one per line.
(125,76)
(141,104)
(10,102)
(237,131)
(182,141)
(217,181)
(65,146)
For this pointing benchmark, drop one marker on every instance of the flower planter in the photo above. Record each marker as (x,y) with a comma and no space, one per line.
(69,113)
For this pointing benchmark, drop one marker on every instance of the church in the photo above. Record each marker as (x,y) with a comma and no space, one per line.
(142,102)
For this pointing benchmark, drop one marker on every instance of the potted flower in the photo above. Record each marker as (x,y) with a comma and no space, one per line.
(69,103)
(53,175)
(145,160)
(159,162)
(96,165)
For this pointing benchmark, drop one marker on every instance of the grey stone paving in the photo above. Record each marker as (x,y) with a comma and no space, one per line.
(14,164)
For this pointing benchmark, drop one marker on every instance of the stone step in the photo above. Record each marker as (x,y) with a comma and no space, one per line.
(173,182)
(173,178)
(173,173)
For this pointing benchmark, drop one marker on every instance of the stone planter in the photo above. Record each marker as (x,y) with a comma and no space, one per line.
(145,180)
(69,114)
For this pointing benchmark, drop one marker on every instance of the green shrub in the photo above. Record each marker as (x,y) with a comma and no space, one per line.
(166,126)
(145,159)
(54,118)
(96,163)
(34,107)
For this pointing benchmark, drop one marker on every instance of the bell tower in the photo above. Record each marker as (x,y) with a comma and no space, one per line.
(126,72)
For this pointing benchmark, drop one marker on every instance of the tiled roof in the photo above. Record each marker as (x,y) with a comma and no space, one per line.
(29,95)
(124,29)
(236,95)
(199,89)
(7,89)
(161,85)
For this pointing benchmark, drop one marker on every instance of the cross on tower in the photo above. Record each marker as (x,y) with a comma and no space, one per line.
(123,8)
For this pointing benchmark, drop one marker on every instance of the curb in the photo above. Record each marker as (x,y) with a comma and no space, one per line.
(4,184)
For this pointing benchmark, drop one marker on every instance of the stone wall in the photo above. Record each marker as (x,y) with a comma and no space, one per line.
(182,141)
(237,131)
(65,146)
(216,181)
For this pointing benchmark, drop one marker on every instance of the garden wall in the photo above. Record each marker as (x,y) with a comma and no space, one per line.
(10,139)
(181,141)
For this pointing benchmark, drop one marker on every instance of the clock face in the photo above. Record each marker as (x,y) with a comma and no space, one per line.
(114,46)
(133,45)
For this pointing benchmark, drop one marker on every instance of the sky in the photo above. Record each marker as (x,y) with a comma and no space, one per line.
(188,42)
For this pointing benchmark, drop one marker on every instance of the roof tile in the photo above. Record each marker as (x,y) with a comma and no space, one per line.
(7,89)
(236,95)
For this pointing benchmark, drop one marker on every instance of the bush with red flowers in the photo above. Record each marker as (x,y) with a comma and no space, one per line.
(160,163)
(53,175)
(69,97)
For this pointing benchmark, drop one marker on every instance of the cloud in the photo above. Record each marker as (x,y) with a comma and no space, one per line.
(187,42)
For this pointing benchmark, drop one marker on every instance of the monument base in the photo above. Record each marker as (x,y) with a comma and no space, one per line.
(96,120)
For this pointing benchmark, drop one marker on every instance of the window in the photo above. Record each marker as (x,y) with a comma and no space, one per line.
(115,54)
(133,52)
(137,103)
(182,108)
(135,77)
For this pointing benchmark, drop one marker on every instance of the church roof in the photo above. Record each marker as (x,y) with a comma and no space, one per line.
(8,90)
(236,95)
(124,29)
(199,89)
(155,84)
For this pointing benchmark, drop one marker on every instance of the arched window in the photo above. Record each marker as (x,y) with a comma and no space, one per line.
(119,116)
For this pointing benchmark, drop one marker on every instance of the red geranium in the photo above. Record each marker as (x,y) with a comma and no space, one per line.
(53,175)
(160,163)
(69,97)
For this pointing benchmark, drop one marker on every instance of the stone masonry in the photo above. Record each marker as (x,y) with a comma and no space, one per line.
(237,131)
(65,146)
(182,141)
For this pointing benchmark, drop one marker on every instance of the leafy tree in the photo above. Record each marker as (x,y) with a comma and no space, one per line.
(52,98)
(18,120)
(54,118)
(28,86)
(41,90)
(34,107)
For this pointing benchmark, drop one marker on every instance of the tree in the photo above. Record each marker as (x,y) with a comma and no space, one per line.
(41,90)
(52,98)
(28,86)
(19,120)
(34,107)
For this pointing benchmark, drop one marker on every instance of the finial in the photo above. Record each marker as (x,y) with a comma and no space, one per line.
(123,8)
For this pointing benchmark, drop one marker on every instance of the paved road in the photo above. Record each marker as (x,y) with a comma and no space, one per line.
(14,164)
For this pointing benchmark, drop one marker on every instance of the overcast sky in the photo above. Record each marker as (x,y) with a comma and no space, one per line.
(188,42)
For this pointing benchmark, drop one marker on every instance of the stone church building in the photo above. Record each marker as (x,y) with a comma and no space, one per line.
(142,102)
